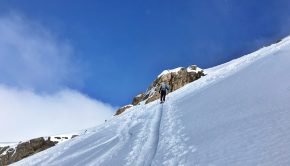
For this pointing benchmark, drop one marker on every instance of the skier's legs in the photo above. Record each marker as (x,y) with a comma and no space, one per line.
(164,96)
(163,93)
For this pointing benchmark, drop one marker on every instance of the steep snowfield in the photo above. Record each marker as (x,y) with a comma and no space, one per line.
(239,114)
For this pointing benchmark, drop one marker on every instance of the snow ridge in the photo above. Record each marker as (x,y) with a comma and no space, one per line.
(236,115)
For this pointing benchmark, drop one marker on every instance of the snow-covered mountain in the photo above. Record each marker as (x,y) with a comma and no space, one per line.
(237,115)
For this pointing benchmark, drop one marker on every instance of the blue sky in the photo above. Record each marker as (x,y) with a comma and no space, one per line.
(119,47)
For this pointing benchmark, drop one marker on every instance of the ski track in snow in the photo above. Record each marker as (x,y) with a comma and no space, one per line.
(157,132)
(145,151)
(172,140)
(124,134)
(146,144)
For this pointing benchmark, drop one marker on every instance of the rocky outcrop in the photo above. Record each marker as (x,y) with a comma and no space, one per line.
(10,155)
(13,153)
(175,78)
(137,99)
(122,109)
(278,41)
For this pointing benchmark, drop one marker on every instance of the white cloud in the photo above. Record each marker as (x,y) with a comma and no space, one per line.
(35,69)
(25,114)
(33,57)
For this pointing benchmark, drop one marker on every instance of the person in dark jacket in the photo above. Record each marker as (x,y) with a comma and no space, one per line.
(164,88)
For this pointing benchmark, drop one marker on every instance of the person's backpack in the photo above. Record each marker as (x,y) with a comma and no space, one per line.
(164,87)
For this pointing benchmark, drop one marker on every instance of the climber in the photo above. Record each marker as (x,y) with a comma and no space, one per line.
(164,88)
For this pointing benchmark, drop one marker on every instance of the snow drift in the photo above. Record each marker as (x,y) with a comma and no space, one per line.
(236,115)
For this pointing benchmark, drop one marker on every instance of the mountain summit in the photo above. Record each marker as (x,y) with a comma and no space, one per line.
(238,114)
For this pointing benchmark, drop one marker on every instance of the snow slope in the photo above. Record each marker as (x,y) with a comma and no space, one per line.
(239,114)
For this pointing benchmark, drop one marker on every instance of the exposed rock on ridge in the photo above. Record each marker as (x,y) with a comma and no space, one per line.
(11,154)
(175,78)
(122,109)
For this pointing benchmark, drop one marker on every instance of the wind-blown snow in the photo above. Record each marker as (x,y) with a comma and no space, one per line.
(176,70)
(170,71)
(236,115)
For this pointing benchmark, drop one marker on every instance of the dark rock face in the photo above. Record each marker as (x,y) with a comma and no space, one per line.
(137,99)
(122,109)
(279,40)
(73,136)
(10,155)
(176,79)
